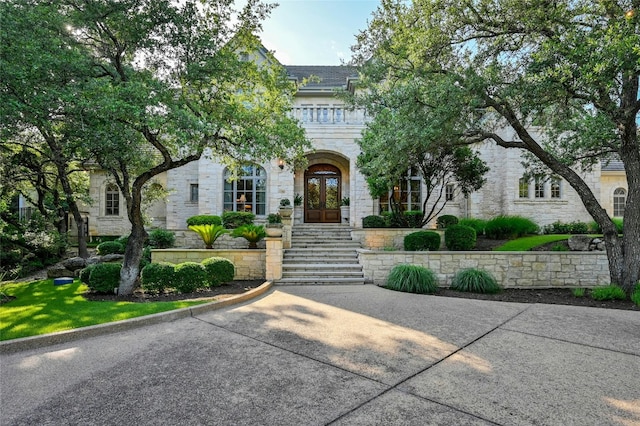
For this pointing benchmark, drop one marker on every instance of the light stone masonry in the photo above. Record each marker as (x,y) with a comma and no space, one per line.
(249,264)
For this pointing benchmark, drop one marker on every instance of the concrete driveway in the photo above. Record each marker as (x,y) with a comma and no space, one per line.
(343,355)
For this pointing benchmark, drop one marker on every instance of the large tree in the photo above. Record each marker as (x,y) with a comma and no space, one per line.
(407,132)
(167,83)
(570,69)
(43,71)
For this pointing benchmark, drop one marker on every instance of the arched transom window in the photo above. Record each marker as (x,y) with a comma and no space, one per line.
(248,193)
(112,200)
(619,201)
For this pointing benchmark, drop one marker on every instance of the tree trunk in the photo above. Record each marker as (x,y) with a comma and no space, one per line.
(132,256)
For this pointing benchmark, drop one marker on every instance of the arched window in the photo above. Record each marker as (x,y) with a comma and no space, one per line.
(406,193)
(619,201)
(556,188)
(112,200)
(248,193)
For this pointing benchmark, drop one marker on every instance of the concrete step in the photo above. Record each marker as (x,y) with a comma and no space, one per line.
(319,281)
(323,275)
(320,260)
(339,268)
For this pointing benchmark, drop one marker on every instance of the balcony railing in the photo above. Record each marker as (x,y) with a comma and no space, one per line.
(325,114)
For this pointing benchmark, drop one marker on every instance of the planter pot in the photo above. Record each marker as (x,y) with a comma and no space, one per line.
(344,214)
(286,211)
(273,231)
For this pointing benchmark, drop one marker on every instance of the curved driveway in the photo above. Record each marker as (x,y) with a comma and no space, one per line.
(344,355)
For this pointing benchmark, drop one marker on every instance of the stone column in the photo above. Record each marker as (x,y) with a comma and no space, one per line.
(274,258)
(286,232)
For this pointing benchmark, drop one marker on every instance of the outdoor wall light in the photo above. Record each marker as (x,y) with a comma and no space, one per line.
(281,163)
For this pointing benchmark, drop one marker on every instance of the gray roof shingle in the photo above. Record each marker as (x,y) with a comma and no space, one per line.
(330,76)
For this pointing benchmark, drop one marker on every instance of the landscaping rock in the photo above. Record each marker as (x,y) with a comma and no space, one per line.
(58,271)
(579,242)
(111,258)
(74,263)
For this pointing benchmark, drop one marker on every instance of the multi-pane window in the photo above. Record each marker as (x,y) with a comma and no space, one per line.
(194,194)
(523,188)
(112,200)
(539,188)
(406,193)
(248,193)
(619,202)
(555,188)
(449,191)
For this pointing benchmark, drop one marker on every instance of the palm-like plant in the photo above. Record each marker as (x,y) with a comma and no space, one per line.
(209,233)
(252,233)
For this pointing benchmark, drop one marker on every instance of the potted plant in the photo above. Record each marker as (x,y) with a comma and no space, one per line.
(274,225)
(285,208)
(344,209)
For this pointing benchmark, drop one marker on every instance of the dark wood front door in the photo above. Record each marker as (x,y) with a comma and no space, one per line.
(322,194)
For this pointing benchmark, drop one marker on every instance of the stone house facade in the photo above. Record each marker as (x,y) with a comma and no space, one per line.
(331,175)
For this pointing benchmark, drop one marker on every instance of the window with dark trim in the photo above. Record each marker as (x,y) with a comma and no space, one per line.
(407,193)
(248,193)
(112,200)
(449,192)
(619,202)
(194,194)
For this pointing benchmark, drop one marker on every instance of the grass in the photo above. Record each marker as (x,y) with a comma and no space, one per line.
(475,281)
(527,243)
(41,308)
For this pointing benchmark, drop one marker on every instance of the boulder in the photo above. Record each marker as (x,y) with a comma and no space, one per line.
(74,263)
(111,258)
(579,242)
(58,271)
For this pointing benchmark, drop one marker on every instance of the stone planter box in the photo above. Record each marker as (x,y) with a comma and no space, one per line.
(250,264)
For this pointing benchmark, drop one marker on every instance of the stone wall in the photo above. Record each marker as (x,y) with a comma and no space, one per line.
(511,269)
(187,239)
(250,264)
(381,238)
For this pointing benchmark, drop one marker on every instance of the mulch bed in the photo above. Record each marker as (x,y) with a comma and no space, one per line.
(218,293)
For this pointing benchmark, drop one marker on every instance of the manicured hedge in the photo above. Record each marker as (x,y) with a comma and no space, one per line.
(422,241)
(510,227)
(460,237)
(189,276)
(204,219)
(219,270)
(157,277)
(232,220)
(446,220)
(110,247)
(374,221)
(104,277)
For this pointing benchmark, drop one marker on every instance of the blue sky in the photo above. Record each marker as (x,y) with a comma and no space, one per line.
(315,32)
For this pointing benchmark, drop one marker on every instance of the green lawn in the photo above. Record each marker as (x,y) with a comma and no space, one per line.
(40,308)
(527,243)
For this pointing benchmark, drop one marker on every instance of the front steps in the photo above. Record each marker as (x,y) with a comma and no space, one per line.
(322,254)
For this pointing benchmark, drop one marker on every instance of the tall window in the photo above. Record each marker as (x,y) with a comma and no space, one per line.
(112,200)
(619,202)
(556,188)
(448,196)
(539,188)
(523,188)
(406,193)
(194,194)
(248,193)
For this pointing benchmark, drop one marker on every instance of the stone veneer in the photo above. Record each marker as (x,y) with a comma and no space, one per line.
(250,264)
(380,238)
(511,269)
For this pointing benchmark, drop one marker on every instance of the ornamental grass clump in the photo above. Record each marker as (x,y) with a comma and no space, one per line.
(608,292)
(412,279)
(510,227)
(635,296)
(475,281)
(219,270)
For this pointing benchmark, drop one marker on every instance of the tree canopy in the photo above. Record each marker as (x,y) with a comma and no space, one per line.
(568,69)
(159,84)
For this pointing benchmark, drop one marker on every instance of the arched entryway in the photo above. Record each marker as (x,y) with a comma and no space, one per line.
(322,189)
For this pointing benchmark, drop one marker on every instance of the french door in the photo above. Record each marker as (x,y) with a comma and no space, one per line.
(322,194)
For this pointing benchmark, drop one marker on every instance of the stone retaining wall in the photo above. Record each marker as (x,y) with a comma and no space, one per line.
(250,264)
(511,269)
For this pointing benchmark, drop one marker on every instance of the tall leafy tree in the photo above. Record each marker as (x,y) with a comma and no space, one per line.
(172,82)
(43,71)
(408,132)
(569,68)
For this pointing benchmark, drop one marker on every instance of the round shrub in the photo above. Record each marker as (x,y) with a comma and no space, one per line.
(189,276)
(475,281)
(110,247)
(157,277)
(374,221)
(86,272)
(422,241)
(123,240)
(161,239)
(413,218)
(412,279)
(446,220)
(219,270)
(509,227)
(104,277)
(460,237)
(204,219)
(232,220)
